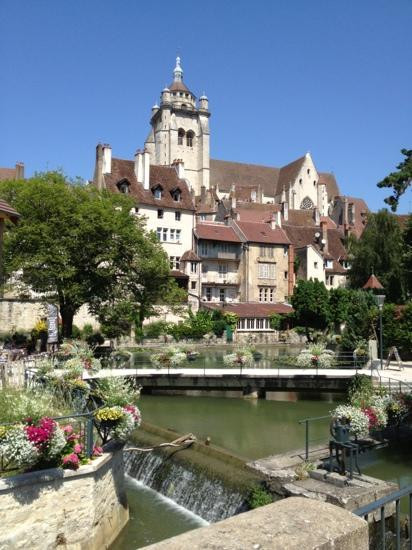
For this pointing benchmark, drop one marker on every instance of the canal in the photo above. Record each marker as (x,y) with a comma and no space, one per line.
(247,428)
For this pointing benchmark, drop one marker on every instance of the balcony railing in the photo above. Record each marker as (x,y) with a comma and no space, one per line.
(217,254)
(220,279)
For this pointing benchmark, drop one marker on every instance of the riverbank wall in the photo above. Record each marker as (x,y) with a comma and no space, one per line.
(77,510)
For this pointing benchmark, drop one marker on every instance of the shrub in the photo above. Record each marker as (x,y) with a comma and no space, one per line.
(95,339)
(115,391)
(156,329)
(87,331)
(259,497)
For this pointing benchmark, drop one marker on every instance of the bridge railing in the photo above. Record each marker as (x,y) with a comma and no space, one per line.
(394,385)
(380,506)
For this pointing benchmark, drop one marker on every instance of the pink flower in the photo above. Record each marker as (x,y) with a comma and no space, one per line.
(97,451)
(68,429)
(42,433)
(71,461)
(78,448)
(133,411)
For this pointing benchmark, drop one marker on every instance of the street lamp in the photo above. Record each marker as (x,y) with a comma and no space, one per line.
(380,298)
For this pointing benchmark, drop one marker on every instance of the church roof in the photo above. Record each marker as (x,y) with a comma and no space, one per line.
(255,212)
(165,176)
(272,180)
(179,87)
(223,174)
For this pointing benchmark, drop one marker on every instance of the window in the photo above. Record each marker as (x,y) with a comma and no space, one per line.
(193,267)
(306,204)
(315,265)
(164,234)
(193,285)
(157,192)
(241,324)
(205,268)
(308,171)
(171,262)
(177,262)
(180,136)
(266,271)
(285,274)
(190,138)
(266,294)
(159,233)
(124,186)
(300,181)
(203,248)
(174,262)
(172,234)
(203,217)
(285,250)
(176,194)
(178,233)
(208,293)
(331,279)
(160,213)
(250,324)
(222,270)
(177,216)
(222,294)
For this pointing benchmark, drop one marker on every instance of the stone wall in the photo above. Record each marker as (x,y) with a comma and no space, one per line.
(294,523)
(75,510)
(22,315)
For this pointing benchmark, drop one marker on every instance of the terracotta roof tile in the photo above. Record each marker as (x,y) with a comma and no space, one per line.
(262,233)
(190,256)
(7,211)
(256,212)
(223,174)
(288,174)
(165,176)
(303,218)
(216,232)
(330,182)
(7,174)
(373,282)
(252,309)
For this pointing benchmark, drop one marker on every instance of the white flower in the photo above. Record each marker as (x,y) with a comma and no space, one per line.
(15,448)
(357,419)
(57,442)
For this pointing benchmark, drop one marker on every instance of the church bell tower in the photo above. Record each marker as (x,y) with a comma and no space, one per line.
(180,130)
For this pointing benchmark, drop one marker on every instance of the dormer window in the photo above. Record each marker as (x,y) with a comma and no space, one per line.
(124,187)
(190,138)
(176,194)
(157,192)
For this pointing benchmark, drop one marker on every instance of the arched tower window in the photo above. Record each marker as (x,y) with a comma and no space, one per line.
(180,136)
(306,204)
(190,138)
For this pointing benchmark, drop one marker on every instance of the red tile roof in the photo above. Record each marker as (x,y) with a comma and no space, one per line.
(251,309)
(373,282)
(329,181)
(216,232)
(8,212)
(7,173)
(165,176)
(190,256)
(262,233)
(256,212)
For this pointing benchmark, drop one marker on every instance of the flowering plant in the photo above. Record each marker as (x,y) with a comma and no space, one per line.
(315,356)
(356,419)
(242,357)
(172,357)
(118,422)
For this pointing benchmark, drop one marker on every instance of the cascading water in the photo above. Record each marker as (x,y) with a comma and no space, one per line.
(209,498)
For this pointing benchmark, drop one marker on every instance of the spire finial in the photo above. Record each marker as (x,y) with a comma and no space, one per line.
(178,71)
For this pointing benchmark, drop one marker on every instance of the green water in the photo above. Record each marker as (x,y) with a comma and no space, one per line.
(212,357)
(249,428)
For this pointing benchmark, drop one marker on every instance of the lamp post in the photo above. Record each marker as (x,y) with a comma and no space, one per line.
(380,298)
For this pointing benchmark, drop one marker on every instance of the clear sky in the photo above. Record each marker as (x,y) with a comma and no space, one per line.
(283,77)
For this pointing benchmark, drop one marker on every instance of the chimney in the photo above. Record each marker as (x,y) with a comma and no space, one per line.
(138,165)
(273,221)
(324,229)
(285,210)
(146,169)
(98,169)
(259,198)
(316,215)
(279,218)
(107,159)
(180,168)
(19,170)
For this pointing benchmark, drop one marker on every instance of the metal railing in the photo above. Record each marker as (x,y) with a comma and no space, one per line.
(306,422)
(394,385)
(380,505)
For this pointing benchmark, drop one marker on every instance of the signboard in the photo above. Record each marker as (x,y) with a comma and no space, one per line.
(52,324)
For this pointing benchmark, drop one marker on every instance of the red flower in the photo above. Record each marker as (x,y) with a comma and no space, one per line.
(41,434)
(71,461)
(373,419)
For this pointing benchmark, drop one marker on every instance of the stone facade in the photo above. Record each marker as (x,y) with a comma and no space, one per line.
(75,510)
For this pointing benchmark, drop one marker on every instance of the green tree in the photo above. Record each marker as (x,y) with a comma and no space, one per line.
(407,255)
(399,181)
(361,318)
(379,250)
(339,302)
(310,301)
(76,245)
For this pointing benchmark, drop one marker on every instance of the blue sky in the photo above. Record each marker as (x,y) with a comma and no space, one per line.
(283,77)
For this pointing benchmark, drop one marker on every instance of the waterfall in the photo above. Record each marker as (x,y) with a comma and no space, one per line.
(208,498)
